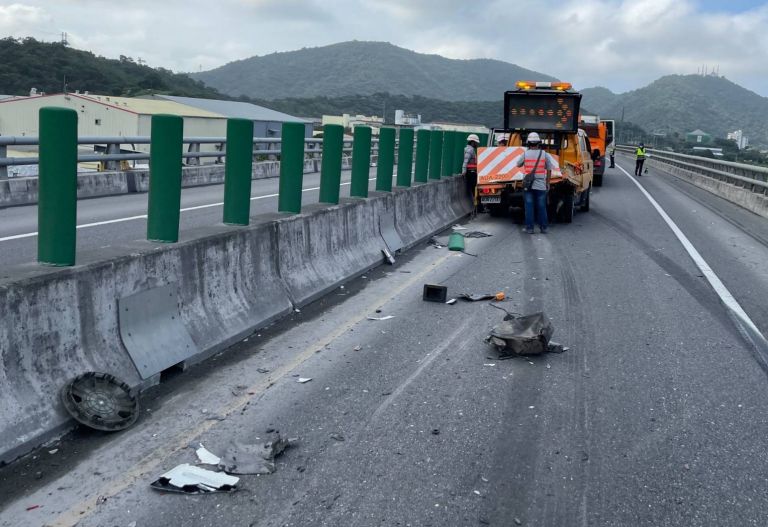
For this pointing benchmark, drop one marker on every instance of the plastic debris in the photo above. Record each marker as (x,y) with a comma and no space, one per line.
(478,297)
(381,318)
(526,335)
(206,457)
(388,256)
(451,301)
(434,293)
(456,242)
(459,228)
(303,380)
(253,458)
(188,479)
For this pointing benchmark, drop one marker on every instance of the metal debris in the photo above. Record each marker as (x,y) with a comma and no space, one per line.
(253,458)
(470,297)
(476,234)
(302,380)
(188,479)
(526,335)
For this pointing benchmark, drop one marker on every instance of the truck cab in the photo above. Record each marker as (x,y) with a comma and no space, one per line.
(551,110)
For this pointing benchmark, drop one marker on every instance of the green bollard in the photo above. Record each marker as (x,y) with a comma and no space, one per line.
(386,163)
(447,163)
(165,178)
(422,156)
(455,242)
(405,157)
(238,172)
(361,162)
(330,173)
(435,153)
(57,192)
(291,168)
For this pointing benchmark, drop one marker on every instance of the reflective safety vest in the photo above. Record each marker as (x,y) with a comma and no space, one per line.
(530,163)
(470,155)
(640,153)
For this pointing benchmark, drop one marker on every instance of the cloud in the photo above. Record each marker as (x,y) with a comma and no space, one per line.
(620,44)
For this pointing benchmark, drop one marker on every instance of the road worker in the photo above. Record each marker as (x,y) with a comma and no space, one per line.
(539,163)
(504,140)
(612,152)
(639,159)
(469,167)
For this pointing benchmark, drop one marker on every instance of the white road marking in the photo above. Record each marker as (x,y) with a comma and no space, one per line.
(144,216)
(725,295)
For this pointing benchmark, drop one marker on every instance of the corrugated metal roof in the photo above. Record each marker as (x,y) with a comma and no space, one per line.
(243,110)
(150,106)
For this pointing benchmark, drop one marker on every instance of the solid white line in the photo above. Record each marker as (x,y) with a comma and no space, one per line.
(725,295)
(144,216)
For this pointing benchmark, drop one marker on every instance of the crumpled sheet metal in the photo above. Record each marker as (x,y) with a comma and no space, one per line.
(253,458)
(526,335)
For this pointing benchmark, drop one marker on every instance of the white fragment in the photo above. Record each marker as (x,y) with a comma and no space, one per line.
(186,474)
(484,479)
(302,380)
(381,318)
(489,364)
(206,457)
(531,407)
(451,301)
(52,452)
(476,492)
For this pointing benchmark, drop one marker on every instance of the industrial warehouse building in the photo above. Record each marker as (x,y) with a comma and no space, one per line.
(103,115)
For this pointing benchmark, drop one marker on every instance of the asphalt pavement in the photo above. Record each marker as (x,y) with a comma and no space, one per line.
(653,417)
(108,221)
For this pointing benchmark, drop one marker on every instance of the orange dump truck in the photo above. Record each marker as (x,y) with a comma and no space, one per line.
(597,131)
(550,109)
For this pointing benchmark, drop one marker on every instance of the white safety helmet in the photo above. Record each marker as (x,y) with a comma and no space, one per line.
(473,137)
(533,137)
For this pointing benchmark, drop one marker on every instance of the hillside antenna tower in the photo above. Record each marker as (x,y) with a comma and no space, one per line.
(64,38)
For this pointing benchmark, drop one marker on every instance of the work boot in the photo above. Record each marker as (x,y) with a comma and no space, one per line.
(528,231)
(543,230)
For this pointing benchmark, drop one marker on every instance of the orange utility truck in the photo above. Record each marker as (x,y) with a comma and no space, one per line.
(550,109)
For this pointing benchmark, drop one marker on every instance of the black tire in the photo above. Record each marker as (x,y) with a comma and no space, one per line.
(566,208)
(585,200)
(597,180)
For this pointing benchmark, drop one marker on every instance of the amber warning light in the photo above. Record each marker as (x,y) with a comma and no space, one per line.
(532,85)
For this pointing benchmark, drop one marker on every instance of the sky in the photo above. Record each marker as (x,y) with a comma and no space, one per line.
(619,44)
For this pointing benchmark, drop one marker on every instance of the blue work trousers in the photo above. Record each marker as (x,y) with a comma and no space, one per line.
(536,199)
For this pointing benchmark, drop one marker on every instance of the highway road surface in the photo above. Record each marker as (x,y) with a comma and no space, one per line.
(103,222)
(655,416)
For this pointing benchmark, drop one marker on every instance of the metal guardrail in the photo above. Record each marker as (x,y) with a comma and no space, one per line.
(754,178)
(112,156)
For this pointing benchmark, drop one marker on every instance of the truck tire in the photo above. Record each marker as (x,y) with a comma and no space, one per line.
(566,209)
(597,180)
(584,207)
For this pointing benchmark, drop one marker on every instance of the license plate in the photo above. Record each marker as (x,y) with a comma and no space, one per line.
(490,199)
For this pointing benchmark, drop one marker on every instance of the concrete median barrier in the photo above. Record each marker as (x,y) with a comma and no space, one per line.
(59,323)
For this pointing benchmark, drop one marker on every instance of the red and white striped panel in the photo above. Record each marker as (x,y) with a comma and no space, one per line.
(499,163)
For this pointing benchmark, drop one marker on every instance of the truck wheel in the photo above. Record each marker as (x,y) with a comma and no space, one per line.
(566,208)
(597,180)
(585,200)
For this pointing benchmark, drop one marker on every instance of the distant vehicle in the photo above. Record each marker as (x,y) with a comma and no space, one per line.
(597,131)
(551,109)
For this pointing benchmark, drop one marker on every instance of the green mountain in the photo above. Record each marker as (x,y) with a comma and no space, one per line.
(365,68)
(488,113)
(46,66)
(683,103)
